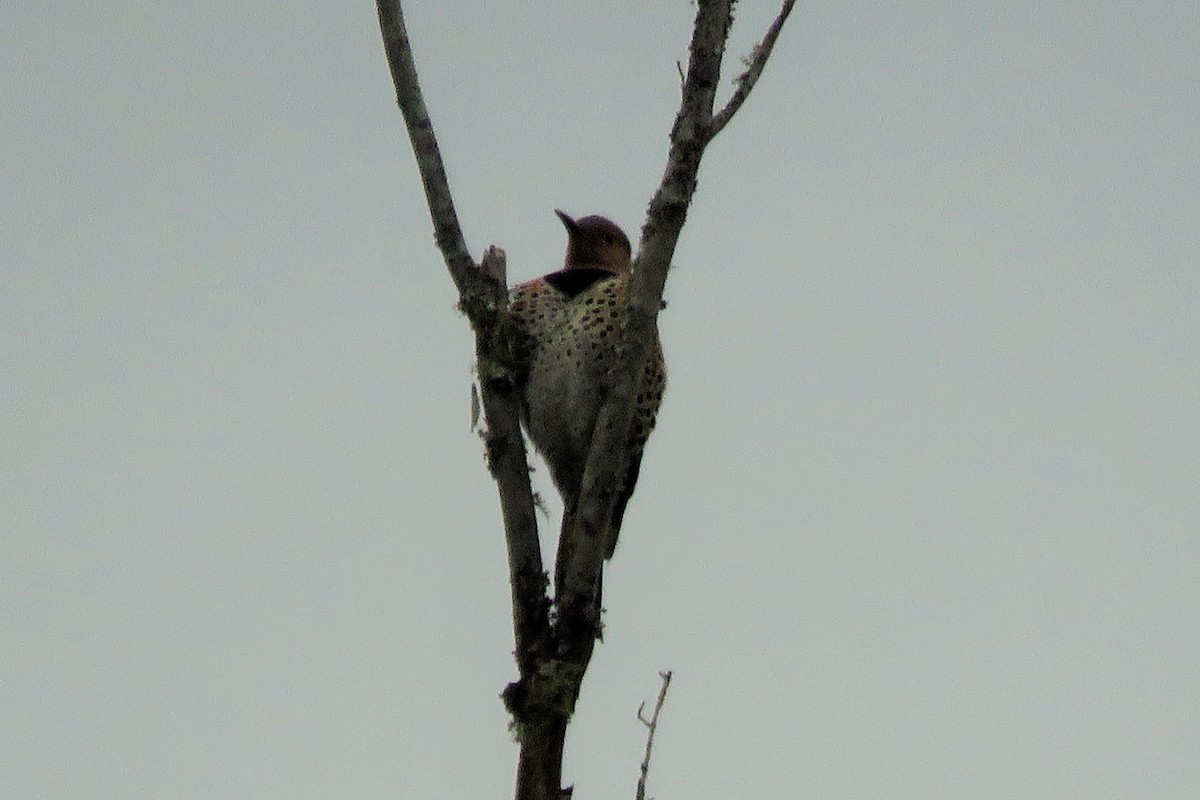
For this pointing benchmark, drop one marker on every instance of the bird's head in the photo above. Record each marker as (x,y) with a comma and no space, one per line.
(596,242)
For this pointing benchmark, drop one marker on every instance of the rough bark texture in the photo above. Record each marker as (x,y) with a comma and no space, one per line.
(484,299)
(553,651)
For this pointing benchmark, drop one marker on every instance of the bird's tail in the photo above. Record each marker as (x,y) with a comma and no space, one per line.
(568,538)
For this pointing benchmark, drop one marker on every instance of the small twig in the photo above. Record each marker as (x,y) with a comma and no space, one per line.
(652,726)
(754,67)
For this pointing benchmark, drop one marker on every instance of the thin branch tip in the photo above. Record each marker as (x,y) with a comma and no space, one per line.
(754,63)
(652,727)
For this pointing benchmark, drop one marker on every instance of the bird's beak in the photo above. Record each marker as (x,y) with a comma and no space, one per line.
(567,221)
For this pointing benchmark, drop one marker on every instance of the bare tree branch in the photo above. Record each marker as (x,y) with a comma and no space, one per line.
(754,67)
(553,653)
(484,298)
(447,231)
(664,222)
(695,126)
(652,728)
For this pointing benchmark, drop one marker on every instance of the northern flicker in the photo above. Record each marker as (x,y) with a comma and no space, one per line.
(571,323)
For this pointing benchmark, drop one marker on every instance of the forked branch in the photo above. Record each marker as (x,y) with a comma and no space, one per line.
(754,67)
(651,729)
(694,128)
(552,658)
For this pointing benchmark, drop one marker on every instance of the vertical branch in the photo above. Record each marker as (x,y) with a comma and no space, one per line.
(447,231)
(484,298)
(664,222)
(695,127)
(652,728)
(509,465)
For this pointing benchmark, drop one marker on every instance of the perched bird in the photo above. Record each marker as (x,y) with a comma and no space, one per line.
(570,319)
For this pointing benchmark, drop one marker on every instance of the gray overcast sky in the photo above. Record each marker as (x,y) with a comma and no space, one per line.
(921,517)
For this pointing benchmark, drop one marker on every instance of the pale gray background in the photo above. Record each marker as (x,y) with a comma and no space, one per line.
(921,517)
